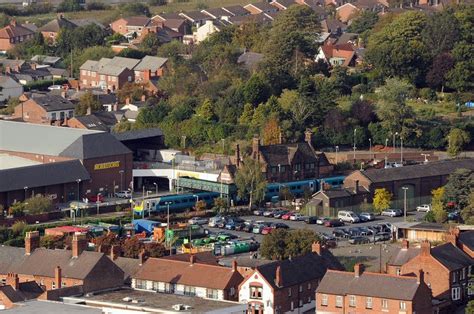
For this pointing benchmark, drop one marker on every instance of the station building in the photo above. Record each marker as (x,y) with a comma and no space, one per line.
(64,163)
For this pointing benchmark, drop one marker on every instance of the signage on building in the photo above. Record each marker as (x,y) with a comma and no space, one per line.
(107,165)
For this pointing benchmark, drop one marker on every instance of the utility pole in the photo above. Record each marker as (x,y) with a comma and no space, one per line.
(405,203)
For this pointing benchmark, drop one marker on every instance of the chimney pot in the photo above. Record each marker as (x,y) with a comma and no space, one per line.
(316,248)
(32,242)
(58,277)
(278,278)
(358,269)
(13,281)
(405,244)
(425,248)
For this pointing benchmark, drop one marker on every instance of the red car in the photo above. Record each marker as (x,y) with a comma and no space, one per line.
(95,198)
(333,223)
(267,230)
(286,216)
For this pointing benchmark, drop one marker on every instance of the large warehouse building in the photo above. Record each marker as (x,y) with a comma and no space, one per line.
(63,163)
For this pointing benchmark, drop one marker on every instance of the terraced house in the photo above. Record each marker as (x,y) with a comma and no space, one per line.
(14,34)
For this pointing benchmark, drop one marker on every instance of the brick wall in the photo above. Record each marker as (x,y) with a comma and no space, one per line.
(30,111)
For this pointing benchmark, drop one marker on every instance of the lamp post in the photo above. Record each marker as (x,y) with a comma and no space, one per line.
(394,135)
(156,187)
(404,203)
(337,150)
(355,133)
(168,225)
(386,143)
(78,189)
(26,190)
(401,149)
(197,197)
(370,147)
(121,179)
(98,202)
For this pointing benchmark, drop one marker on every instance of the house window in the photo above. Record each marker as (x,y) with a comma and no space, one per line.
(102,77)
(190,291)
(70,113)
(403,306)
(368,303)
(338,301)
(53,116)
(309,286)
(301,303)
(324,300)
(470,288)
(456,293)
(256,292)
(274,170)
(292,306)
(301,288)
(212,294)
(61,115)
(352,301)
(129,78)
(454,276)
(140,284)
(384,303)
(169,288)
(289,292)
(399,271)
(462,274)
(232,291)
(155,285)
(297,167)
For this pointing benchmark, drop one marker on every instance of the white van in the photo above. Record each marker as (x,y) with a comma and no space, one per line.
(214,221)
(348,216)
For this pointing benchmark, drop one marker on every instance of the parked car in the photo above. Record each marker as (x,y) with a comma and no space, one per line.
(123,194)
(214,221)
(382,236)
(392,212)
(95,198)
(258,227)
(423,208)
(328,240)
(247,226)
(348,216)
(322,220)
(266,230)
(340,233)
(296,217)
(286,216)
(280,213)
(358,240)
(198,221)
(455,215)
(279,225)
(333,223)
(366,216)
(367,231)
(269,213)
(311,220)
(258,212)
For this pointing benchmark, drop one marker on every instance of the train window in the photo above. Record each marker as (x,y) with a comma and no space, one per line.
(190,200)
(177,202)
(206,197)
(292,187)
(298,187)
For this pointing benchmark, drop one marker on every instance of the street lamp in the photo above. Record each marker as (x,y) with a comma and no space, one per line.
(394,135)
(386,143)
(78,189)
(197,197)
(405,203)
(121,179)
(401,149)
(168,225)
(26,189)
(337,150)
(156,186)
(98,202)
(370,147)
(355,133)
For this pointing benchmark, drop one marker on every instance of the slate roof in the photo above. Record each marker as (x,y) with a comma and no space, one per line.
(285,3)
(263,6)
(91,122)
(451,257)
(52,102)
(236,10)
(431,169)
(95,145)
(12,295)
(7,82)
(137,20)
(216,13)
(402,256)
(201,257)
(12,31)
(42,175)
(369,284)
(129,266)
(300,269)
(54,26)
(467,238)
(283,154)
(150,63)
(138,134)
(195,16)
(185,273)
(108,118)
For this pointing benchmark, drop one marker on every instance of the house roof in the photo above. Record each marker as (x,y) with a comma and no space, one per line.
(13,295)
(174,23)
(137,20)
(236,10)
(216,13)
(95,145)
(129,266)
(138,134)
(263,6)
(201,257)
(51,102)
(284,3)
(150,63)
(300,269)
(467,238)
(32,27)
(331,25)
(451,256)
(91,122)
(167,16)
(11,31)
(125,62)
(54,26)
(109,118)
(401,256)
(185,273)
(42,175)
(282,154)
(431,169)
(250,59)
(369,284)
(7,82)
(195,16)
(86,22)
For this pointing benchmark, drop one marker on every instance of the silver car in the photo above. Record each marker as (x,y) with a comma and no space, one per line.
(392,212)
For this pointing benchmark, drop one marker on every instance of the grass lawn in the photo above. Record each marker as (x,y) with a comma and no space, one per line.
(198,5)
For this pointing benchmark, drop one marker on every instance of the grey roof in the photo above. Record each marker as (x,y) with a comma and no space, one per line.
(451,257)
(216,12)
(109,118)
(282,154)
(125,62)
(138,134)
(7,82)
(195,16)
(467,238)
(51,102)
(129,266)
(402,256)
(46,59)
(95,145)
(13,295)
(369,284)
(236,10)
(285,3)
(85,22)
(91,122)
(431,169)
(150,63)
(250,59)
(34,307)
(57,24)
(263,6)
(300,269)
(42,175)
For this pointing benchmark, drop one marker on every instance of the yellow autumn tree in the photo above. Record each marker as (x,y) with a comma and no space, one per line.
(382,200)
(437,205)
(271,132)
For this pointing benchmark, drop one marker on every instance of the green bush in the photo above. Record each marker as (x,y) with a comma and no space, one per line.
(428,94)
(19,227)
(18,242)
(43,85)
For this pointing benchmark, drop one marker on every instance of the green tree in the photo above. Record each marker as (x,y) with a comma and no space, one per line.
(274,245)
(221,205)
(18,228)
(69,6)
(255,90)
(200,206)
(4,20)
(470,307)
(467,213)
(38,204)
(150,43)
(299,242)
(250,181)
(206,110)
(133,8)
(11,104)
(364,21)
(398,49)
(382,200)
(52,242)
(441,32)
(457,139)
(88,101)
(437,205)
(154,249)
(459,187)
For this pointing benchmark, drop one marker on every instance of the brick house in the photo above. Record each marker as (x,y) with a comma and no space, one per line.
(447,268)
(55,269)
(50,30)
(465,241)
(130,27)
(337,55)
(291,162)
(13,34)
(326,199)
(44,109)
(261,7)
(189,278)
(288,285)
(364,292)
(346,12)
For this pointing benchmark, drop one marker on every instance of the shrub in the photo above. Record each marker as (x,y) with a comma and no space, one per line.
(428,94)
(19,227)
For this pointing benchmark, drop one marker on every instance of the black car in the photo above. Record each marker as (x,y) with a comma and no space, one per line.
(340,233)
(358,240)
(279,225)
(311,220)
(247,227)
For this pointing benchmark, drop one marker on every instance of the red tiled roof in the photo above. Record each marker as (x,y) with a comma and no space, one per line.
(11,31)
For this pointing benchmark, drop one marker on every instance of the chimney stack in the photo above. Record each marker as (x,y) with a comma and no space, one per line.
(114,252)
(425,248)
(237,155)
(316,248)
(308,137)
(405,244)
(192,259)
(143,98)
(278,278)
(142,257)
(32,242)
(420,276)
(256,146)
(280,138)
(234,265)
(79,244)
(57,277)
(356,187)
(452,238)
(13,281)
(13,22)
(358,269)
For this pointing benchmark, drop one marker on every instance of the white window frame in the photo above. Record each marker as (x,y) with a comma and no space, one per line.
(339,301)
(324,299)
(369,303)
(352,300)
(403,306)
(462,274)
(384,304)
(456,293)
